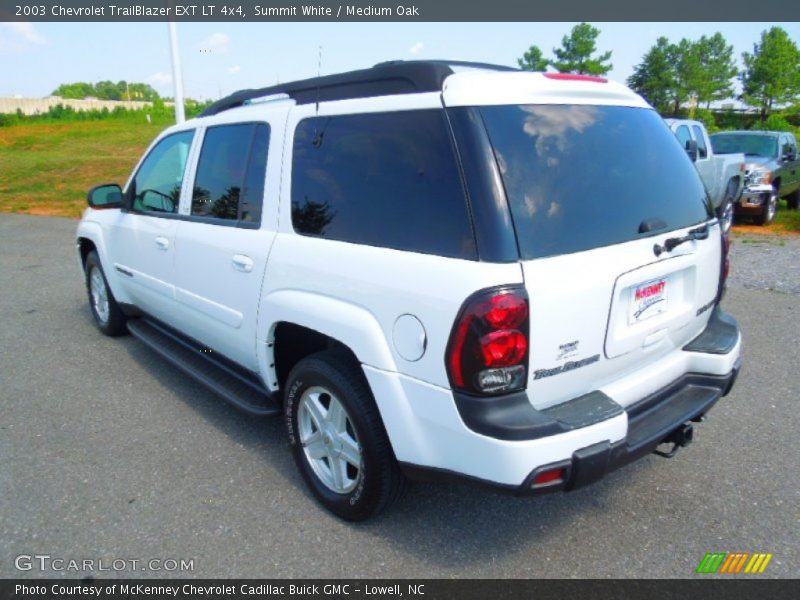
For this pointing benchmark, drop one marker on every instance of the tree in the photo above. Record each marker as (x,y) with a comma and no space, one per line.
(688,73)
(655,77)
(575,54)
(74,90)
(533,60)
(107,90)
(715,70)
(771,74)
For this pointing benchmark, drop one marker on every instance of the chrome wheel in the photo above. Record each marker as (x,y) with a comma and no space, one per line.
(329,440)
(772,206)
(99,292)
(726,219)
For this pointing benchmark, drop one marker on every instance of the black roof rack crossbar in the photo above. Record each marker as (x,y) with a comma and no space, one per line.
(393,77)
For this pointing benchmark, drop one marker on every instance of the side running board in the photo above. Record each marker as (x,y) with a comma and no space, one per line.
(232,383)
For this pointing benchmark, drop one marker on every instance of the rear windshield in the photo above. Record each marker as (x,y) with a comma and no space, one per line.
(752,145)
(580,177)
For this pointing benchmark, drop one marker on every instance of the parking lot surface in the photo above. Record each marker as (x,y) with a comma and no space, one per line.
(107,453)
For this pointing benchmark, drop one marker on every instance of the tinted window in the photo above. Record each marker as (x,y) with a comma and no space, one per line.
(581,177)
(387,179)
(230,173)
(702,150)
(752,144)
(157,184)
(683,135)
(787,146)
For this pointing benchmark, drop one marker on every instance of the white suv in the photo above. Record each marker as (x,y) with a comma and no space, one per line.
(432,270)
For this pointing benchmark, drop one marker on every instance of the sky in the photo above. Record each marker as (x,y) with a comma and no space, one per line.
(219,58)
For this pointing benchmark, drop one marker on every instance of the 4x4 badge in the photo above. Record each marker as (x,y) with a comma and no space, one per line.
(567,350)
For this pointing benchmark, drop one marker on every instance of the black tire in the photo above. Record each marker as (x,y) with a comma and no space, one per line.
(114,322)
(769,210)
(793,200)
(378,482)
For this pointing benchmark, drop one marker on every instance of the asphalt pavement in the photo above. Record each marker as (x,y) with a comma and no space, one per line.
(107,453)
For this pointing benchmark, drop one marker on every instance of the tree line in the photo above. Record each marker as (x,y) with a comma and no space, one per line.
(107,90)
(695,72)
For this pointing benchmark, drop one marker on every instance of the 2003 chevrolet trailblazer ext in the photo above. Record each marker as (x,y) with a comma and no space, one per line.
(431,270)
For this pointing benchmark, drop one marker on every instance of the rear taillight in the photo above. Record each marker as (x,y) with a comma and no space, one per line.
(488,349)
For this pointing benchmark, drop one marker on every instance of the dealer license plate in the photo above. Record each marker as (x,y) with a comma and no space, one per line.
(648,300)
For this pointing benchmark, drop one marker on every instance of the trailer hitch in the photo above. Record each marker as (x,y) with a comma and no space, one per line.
(679,438)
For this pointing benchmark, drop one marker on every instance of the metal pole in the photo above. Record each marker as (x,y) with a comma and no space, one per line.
(177,79)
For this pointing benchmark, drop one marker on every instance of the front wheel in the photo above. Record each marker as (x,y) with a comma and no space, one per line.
(108,316)
(338,439)
(769,209)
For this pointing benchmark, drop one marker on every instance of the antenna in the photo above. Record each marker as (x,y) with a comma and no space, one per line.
(319,72)
(317,141)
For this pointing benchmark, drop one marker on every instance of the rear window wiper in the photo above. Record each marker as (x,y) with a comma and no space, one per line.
(699,233)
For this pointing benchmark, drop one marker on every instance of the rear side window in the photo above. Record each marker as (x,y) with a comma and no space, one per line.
(229,184)
(580,177)
(385,179)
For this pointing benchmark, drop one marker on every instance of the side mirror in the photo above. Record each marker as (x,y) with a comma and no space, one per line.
(789,157)
(691,149)
(108,195)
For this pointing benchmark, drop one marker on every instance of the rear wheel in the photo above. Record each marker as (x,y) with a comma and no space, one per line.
(108,316)
(338,439)
(769,209)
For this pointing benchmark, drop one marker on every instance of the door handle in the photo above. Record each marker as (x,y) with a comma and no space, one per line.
(242,263)
(162,243)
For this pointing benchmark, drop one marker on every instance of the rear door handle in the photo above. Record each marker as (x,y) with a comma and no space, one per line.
(242,263)
(162,243)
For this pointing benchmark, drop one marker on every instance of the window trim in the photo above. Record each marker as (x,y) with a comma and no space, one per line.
(186,170)
(189,217)
(289,144)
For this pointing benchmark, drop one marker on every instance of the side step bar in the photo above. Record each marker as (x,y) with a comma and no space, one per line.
(237,388)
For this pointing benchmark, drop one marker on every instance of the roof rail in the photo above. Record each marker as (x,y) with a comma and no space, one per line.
(392,77)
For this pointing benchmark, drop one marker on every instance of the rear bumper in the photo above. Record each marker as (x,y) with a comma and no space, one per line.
(505,448)
(650,422)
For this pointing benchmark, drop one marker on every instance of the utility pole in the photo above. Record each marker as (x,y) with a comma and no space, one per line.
(177,78)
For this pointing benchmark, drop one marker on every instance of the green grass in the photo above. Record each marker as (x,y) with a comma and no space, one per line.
(47,168)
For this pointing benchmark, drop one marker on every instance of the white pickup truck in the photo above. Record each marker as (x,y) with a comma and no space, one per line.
(722,174)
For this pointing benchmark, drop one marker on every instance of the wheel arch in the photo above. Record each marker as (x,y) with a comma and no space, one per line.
(90,237)
(303,323)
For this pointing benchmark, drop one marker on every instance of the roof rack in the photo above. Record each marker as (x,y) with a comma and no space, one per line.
(393,77)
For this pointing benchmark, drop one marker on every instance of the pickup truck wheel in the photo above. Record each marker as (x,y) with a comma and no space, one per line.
(338,439)
(725,211)
(108,316)
(769,209)
(793,200)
